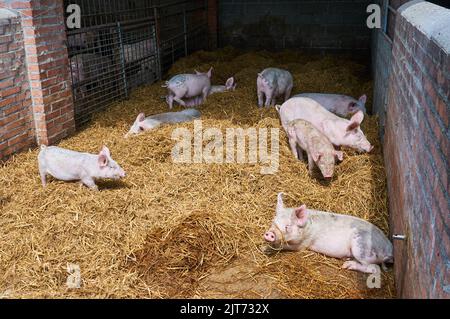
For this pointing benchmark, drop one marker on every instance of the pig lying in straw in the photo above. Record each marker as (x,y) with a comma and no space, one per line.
(338,104)
(339,131)
(143,123)
(186,86)
(272,83)
(69,165)
(334,235)
(317,146)
(230,85)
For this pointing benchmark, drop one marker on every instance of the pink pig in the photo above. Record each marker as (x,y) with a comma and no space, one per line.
(230,85)
(69,165)
(338,130)
(319,149)
(338,104)
(363,244)
(272,83)
(188,86)
(142,123)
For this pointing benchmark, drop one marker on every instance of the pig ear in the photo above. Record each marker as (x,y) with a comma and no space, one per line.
(209,74)
(316,156)
(140,117)
(358,117)
(229,83)
(339,155)
(198,73)
(102,160)
(301,215)
(355,121)
(105,151)
(351,106)
(280,204)
(363,99)
(352,126)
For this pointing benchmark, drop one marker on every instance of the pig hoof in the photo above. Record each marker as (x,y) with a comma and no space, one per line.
(372,269)
(350,265)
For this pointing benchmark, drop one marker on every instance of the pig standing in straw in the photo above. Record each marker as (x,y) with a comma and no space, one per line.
(188,86)
(272,83)
(334,235)
(143,123)
(230,85)
(69,165)
(339,131)
(341,105)
(317,146)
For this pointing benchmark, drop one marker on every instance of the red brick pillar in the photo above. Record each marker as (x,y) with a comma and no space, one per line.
(212,23)
(47,67)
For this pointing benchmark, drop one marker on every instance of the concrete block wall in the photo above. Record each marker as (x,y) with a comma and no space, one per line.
(47,68)
(16,119)
(269,24)
(416,150)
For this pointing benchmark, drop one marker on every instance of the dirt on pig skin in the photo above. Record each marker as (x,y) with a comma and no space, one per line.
(172,230)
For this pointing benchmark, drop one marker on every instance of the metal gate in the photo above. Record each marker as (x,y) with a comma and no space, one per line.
(183,29)
(124,44)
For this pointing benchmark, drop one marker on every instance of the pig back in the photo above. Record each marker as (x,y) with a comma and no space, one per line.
(305,109)
(176,117)
(335,103)
(311,137)
(192,83)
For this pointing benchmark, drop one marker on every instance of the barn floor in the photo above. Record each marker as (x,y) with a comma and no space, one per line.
(188,230)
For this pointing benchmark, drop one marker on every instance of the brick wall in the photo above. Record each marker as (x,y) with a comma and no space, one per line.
(381,51)
(47,67)
(328,24)
(16,120)
(381,67)
(416,148)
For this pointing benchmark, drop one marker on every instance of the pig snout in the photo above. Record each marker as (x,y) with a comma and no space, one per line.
(269,237)
(367,147)
(117,173)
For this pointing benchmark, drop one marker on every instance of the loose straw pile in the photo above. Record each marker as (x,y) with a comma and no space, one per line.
(189,230)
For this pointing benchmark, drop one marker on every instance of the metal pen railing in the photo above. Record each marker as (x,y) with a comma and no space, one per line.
(126,44)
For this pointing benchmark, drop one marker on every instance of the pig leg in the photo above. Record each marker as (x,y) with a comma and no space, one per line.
(260,98)
(205,95)
(273,101)
(293,145)
(287,94)
(300,154)
(310,164)
(43,177)
(363,254)
(43,174)
(170,101)
(89,182)
(269,99)
(179,100)
(365,268)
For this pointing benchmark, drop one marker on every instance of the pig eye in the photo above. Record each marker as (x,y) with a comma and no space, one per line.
(141,128)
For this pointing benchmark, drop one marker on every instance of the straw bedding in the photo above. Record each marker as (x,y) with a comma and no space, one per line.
(188,230)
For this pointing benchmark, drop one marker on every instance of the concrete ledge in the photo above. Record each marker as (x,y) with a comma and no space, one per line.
(431,19)
(7,14)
